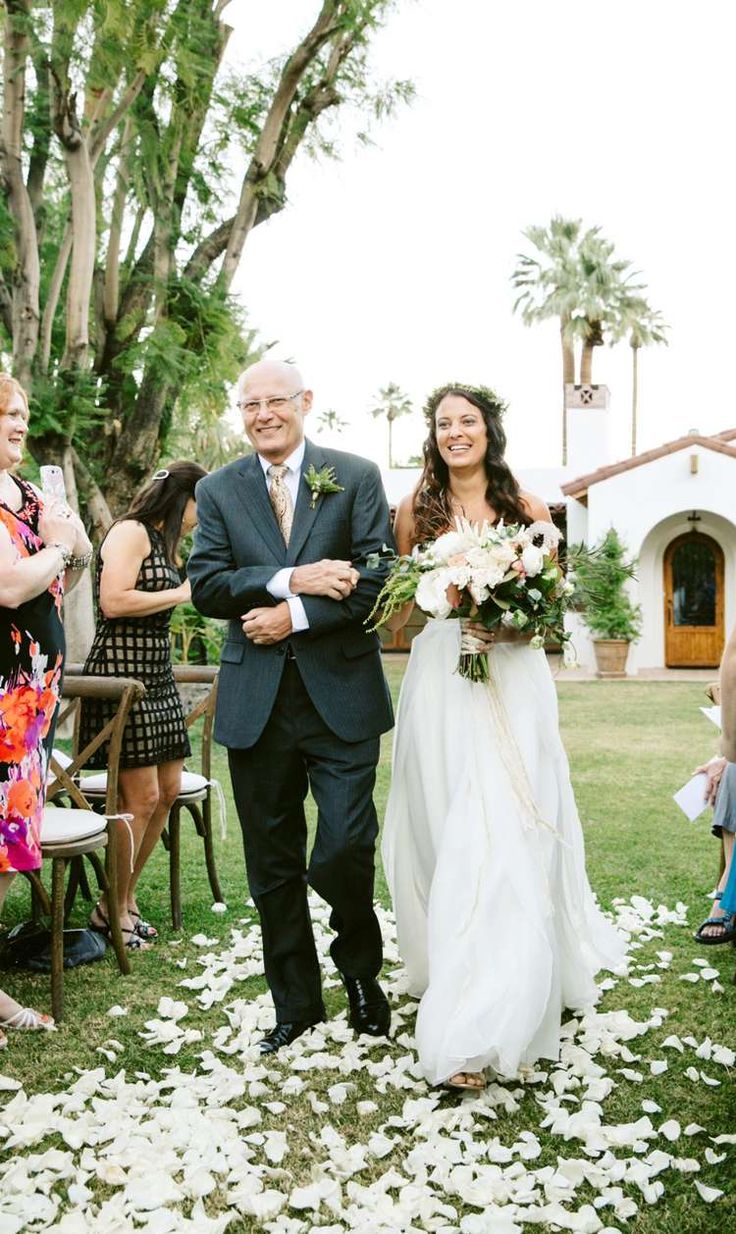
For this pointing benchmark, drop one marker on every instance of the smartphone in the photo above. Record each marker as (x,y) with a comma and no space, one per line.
(52,481)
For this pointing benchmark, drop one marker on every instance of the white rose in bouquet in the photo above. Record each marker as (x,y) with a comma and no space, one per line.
(450,544)
(431,594)
(532,559)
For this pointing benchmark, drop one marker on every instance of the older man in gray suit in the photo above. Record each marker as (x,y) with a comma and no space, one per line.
(282,550)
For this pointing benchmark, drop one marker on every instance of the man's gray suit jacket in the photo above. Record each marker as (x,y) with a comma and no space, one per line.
(238,548)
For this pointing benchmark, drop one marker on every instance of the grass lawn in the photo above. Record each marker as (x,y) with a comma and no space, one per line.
(631,746)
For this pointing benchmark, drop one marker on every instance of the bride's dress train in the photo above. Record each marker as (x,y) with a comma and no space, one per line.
(483,852)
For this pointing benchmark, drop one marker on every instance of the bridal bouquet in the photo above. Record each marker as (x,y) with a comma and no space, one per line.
(499,576)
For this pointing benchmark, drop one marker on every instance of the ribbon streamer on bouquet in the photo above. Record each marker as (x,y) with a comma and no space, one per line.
(514,763)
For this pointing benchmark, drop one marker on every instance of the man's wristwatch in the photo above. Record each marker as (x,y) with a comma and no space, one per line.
(66,552)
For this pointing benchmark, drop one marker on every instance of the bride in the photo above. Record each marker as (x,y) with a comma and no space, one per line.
(482,844)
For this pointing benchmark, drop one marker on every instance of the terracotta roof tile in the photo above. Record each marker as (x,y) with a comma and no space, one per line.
(719,443)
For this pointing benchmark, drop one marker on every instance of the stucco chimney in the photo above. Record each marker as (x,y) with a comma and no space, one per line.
(587,428)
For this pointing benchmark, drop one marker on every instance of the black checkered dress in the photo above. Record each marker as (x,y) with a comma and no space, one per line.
(138,647)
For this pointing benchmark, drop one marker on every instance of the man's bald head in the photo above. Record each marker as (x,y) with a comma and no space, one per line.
(279,372)
(273,402)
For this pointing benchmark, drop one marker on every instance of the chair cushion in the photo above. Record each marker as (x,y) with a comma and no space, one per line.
(96,785)
(60,826)
(192,783)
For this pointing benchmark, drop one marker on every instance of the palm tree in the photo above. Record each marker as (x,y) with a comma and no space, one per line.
(331,421)
(644,326)
(391,403)
(552,290)
(596,296)
(607,288)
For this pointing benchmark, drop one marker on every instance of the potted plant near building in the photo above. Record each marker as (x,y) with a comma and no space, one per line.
(605,605)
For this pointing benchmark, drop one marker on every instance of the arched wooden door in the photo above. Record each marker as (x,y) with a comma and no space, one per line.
(693,592)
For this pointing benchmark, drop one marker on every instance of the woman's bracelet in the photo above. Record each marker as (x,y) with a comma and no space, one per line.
(66,552)
(79,562)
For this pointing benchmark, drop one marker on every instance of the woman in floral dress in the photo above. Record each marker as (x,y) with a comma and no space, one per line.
(41,547)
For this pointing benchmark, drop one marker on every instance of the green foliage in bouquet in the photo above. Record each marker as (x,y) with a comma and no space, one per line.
(601,574)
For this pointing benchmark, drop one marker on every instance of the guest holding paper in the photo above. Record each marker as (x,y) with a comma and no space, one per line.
(720,792)
(728,699)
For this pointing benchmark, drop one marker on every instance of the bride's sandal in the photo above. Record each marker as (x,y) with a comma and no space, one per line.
(471,1081)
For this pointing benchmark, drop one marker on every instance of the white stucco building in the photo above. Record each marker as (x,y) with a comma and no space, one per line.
(675,509)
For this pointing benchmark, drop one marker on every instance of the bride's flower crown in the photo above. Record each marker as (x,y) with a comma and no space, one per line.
(483,394)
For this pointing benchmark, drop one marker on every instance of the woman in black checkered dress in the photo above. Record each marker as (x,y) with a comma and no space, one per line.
(137,586)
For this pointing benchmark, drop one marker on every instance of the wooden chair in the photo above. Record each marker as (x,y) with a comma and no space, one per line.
(197,789)
(70,833)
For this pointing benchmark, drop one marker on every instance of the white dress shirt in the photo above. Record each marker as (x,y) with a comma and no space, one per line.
(279,585)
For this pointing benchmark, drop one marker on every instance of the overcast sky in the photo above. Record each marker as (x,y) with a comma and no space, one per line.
(393,264)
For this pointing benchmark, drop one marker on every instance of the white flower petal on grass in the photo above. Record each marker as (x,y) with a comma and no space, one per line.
(692,1074)
(689,977)
(658,1066)
(693,1129)
(9,1085)
(714,1158)
(709,1080)
(709,974)
(651,1107)
(218,907)
(708,1194)
(716,987)
(171,1009)
(723,1054)
(671,1130)
(673,1043)
(117,1010)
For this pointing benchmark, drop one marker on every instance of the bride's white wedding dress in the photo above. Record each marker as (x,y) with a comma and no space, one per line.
(484,857)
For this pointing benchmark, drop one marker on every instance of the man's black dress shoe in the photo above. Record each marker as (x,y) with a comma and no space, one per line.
(369,1009)
(284,1033)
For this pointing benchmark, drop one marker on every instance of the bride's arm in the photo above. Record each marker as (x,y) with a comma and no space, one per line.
(404,533)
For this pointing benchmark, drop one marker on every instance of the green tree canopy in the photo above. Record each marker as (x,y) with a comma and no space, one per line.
(134,167)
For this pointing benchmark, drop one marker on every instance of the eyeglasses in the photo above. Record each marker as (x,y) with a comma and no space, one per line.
(275,403)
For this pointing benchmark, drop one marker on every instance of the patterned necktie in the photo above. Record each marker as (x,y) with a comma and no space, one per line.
(278,491)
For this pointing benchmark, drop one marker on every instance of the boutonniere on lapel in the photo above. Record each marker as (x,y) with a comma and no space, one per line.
(321,482)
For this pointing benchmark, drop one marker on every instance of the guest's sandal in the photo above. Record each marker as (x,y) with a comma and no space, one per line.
(134,943)
(726,924)
(471,1081)
(28,1021)
(143,929)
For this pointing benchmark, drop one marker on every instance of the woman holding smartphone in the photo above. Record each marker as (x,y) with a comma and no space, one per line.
(43,548)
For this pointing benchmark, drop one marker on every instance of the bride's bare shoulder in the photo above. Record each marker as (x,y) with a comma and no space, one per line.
(537,509)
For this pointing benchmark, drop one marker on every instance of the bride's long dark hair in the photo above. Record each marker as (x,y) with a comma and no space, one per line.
(431,510)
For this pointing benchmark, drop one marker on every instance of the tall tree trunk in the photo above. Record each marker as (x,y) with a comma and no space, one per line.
(593,339)
(26,274)
(634,395)
(568,379)
(138,446)
(79,616)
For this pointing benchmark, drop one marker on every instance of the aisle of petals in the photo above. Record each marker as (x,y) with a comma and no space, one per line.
(342,1134)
